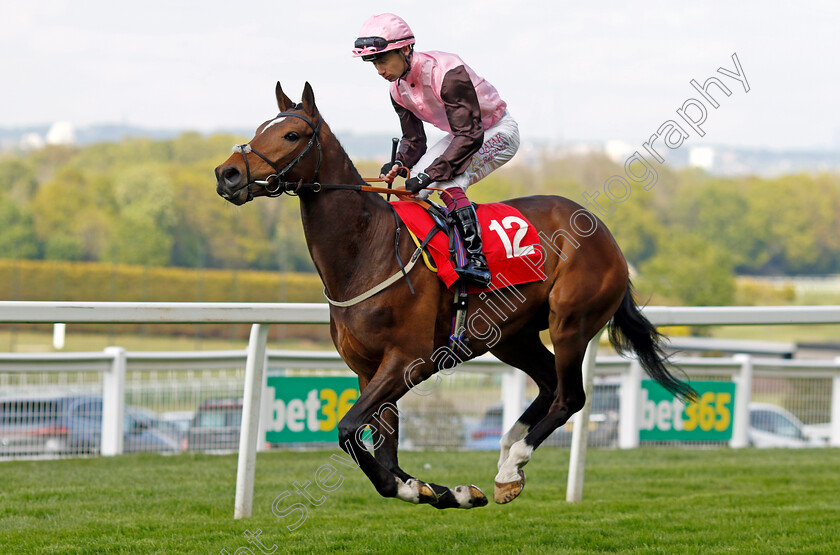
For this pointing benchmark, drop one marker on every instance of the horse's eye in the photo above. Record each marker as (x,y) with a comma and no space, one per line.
(292,136)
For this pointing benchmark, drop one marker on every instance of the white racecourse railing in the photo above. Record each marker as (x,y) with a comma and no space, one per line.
(261,315)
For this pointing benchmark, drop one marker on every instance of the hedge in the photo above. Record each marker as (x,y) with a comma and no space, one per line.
(35,280)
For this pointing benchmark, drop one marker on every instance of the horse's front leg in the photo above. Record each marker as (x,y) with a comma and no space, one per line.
(376,407)
(460,497)
(386,433)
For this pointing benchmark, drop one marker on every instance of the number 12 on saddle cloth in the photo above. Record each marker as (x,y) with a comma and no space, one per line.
(510,243)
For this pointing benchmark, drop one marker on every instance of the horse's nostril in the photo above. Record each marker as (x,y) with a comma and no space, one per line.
(231,176)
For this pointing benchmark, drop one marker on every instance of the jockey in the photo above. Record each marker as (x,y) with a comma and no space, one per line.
(441,89)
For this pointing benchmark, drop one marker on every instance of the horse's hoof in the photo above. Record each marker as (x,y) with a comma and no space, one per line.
(469,497)
(507,492)
(426,493)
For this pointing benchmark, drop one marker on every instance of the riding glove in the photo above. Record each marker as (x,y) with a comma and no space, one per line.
(418,183)
(387,167)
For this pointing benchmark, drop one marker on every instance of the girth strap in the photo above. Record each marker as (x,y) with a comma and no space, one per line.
(403,272)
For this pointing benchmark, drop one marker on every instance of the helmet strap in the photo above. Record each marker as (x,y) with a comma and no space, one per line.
(407,58)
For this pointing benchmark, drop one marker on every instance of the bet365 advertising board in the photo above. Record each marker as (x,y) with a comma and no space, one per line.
(665,418)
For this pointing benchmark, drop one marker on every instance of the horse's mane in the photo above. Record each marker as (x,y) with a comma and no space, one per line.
(343,150)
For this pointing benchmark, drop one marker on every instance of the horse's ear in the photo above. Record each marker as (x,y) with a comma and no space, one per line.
(308,98)
(283,101)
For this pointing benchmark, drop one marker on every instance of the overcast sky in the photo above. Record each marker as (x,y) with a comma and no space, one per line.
(568,70)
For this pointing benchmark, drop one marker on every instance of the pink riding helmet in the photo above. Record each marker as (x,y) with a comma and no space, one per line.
(381,33)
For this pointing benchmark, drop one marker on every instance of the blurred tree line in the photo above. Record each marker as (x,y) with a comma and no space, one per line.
(692,233)
(141,202)
(154,203)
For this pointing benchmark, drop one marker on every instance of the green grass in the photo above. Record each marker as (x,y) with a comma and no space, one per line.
(650,500)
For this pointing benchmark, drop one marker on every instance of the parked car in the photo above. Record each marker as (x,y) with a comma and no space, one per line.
(773,426)
(770,425)
(176,423)
(72,424)
(215,426)
(144,431)
(818,434)
(603,423)
(434,425)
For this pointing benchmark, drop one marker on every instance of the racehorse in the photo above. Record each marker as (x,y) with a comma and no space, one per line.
(390,338)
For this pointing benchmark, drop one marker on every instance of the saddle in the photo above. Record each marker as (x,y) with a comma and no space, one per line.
(511,246)
(511,243)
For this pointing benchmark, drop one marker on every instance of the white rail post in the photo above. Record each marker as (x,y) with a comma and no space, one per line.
(113,404)
(628,420)
(247,464)
(513,395)
(265,411)
(580,432)
(59,334)
(834,438)
(743,394)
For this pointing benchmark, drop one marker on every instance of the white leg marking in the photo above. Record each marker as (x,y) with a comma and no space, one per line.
(517,431)
(464,496)
(520,454)
(408,491)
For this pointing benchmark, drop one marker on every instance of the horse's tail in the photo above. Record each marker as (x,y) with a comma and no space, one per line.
(629,330)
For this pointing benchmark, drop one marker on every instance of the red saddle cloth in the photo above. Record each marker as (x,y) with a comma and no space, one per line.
(511,244)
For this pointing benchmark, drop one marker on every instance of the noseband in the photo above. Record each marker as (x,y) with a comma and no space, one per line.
(276,184)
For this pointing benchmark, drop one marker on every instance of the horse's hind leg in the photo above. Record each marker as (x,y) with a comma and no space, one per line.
(526,352)
(569,348)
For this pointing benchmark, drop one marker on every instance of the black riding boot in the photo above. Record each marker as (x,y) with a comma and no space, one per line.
(476,271)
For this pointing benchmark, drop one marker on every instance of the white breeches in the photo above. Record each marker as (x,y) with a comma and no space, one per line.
(500,144)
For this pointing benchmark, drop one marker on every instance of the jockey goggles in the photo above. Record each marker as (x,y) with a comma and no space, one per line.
(370,48)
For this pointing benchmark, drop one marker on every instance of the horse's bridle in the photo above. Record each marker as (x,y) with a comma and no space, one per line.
(276,184)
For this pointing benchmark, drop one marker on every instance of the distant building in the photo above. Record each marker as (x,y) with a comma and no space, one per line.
(32,141)
(61,133)
(701,157)
(618,151)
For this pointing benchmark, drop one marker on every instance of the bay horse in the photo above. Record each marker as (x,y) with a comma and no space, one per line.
(390,339)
